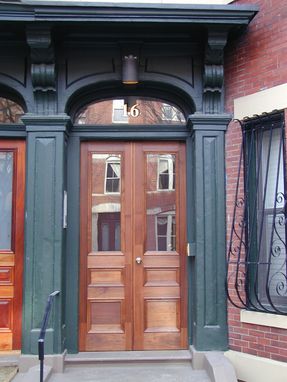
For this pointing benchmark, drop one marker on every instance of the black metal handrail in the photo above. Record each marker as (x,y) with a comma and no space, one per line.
(41,339)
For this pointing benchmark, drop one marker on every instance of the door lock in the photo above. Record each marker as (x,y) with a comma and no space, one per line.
(139,260)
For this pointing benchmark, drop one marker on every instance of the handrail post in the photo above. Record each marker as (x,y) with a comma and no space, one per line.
(41,339)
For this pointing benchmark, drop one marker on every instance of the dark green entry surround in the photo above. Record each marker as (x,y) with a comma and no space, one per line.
(72,55)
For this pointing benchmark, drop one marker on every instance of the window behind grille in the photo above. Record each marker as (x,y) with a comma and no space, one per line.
(256,263)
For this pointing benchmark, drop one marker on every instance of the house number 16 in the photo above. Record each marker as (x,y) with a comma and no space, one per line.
(134,112)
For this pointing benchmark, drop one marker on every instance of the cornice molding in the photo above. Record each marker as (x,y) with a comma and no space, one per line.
(35,11)
(210,122)
(46,123)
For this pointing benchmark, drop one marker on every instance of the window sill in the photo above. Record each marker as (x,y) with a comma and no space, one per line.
(264,319)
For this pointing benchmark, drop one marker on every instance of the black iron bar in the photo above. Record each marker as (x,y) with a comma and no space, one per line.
(256,277)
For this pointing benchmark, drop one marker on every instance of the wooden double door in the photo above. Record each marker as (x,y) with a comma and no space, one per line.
(133,246)
(12,197)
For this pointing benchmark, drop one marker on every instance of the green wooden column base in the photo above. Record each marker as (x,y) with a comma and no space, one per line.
(208,298)
(44,231)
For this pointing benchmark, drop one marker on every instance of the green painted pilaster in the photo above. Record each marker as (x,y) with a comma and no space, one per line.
(44,231)
(209,326)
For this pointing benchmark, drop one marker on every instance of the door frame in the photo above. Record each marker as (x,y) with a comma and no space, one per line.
(77,135)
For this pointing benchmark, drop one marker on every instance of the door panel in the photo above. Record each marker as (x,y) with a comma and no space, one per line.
(12,191)
(159,297)
(132,280)
(105,300)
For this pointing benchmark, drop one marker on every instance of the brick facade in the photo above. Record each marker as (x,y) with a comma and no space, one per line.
(254,62)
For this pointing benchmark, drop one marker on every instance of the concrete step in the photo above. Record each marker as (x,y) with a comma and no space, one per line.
(131,366)
(129,357)
(9,359)
(33,374)
(135,372)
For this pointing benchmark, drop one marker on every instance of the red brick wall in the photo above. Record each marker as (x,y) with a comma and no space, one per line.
(258,59)
(255,61)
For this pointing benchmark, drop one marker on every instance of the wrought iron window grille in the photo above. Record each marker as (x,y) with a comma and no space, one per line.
(257,257)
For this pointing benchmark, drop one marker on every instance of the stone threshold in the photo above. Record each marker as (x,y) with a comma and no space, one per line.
(129,357)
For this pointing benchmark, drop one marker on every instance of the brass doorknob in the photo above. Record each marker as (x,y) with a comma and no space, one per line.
(139,260)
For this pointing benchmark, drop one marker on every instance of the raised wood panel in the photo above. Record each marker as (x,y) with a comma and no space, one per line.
(161,316)
(98,261)
(105,317)
(106,292)
(161,261)
(160,277)
(6,341)
(6,315)
(171,340)
(7,260)
(6,291)
(113,277)
(106,342)
(6,276)
(163,292)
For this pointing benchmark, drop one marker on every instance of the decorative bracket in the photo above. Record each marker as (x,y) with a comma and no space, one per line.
(213,72)
(43,69)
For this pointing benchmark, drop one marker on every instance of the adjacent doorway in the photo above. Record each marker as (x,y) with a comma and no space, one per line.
(133,293)
(12,197)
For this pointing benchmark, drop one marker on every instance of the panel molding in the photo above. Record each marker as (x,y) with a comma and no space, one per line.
(44,234)
(208,302)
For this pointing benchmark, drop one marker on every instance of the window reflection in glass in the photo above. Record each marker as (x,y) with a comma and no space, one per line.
(113,175)
(166,174)
(161,202)
(165,225)
(6,186)
(106,202)
(10,112)
(130,110)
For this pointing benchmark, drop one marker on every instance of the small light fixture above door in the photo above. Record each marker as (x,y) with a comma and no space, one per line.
(130,70)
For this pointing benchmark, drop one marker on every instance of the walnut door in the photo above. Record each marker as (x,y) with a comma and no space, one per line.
(12,196)
(132,267)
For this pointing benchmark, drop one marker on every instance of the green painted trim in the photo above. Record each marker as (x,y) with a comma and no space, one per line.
(44,239)
(35,11)
(202,335)
(190,232)
(208,266)
(73,231)
(131,135)
(35,122)
(8,130)
(217,122)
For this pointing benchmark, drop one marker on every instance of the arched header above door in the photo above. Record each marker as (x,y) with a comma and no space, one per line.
(130,110)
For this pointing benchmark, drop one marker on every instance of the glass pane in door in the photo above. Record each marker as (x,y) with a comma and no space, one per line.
(161,202)
(6,190)
(106,202)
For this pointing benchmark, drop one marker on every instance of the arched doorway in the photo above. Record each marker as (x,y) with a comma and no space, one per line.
(133,293)
(12,191)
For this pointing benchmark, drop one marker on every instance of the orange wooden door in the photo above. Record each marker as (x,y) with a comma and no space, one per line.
(132,278)
(12,196)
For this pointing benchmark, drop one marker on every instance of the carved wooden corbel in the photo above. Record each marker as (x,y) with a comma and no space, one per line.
(43,69)
(213,75)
